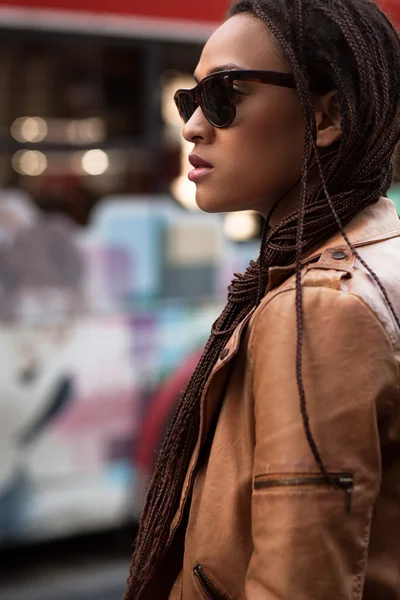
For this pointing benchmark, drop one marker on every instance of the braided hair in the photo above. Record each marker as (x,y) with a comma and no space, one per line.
(344,45)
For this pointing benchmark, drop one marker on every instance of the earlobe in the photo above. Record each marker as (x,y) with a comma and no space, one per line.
(328,119)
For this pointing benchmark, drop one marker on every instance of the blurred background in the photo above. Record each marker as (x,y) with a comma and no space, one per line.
(109,277)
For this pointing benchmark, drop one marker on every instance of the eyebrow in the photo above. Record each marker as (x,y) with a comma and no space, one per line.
(227,67)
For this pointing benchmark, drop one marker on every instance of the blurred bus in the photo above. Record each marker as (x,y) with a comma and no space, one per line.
(100,328)
(103,300)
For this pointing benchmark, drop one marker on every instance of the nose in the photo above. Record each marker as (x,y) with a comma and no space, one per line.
(198,128)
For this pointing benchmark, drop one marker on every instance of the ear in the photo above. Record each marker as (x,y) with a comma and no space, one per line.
(328,119)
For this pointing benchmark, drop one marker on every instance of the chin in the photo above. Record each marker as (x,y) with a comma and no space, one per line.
(209,204)
(216,203)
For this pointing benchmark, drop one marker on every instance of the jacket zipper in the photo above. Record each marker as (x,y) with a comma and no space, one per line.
(343,481)
(207,585)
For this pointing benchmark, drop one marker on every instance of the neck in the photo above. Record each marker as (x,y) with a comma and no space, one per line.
(290,201)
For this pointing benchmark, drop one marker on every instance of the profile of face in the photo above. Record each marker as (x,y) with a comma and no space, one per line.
(258,157)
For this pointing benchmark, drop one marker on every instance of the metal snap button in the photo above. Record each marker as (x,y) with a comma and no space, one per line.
(224,353)
(339,255)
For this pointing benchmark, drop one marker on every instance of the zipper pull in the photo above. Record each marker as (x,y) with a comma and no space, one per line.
(346,483)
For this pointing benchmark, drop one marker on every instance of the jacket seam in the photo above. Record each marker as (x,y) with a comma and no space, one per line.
(250,360)
(274,295)
(375,238)
(373,313)
(359,576)
(378,237)
(386,335)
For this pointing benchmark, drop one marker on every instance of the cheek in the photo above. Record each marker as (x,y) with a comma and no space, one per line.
(258,158)
(272,151)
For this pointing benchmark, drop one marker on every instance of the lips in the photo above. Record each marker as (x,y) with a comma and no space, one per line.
(199,163)
(202,168)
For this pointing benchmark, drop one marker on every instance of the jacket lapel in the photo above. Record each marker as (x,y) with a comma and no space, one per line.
(209,404)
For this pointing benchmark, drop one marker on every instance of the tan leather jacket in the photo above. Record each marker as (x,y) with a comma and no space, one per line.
(260,523)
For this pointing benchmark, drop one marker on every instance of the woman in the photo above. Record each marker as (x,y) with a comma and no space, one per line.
(280,475)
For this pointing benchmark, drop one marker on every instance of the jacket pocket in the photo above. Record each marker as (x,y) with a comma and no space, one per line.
(338,481)
(209,587)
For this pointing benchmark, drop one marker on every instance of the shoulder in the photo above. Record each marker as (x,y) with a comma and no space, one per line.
(339,298)
(327,311)
(345,346)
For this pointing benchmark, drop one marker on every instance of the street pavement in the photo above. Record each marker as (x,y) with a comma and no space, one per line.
(100,582)
(87,568)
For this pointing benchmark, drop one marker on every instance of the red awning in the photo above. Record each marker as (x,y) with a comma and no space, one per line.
(205,11)
(172,19)
(183,19)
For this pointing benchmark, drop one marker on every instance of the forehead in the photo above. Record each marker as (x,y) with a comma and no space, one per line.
(243,41)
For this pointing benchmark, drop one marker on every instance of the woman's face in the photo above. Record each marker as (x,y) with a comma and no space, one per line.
(259,157)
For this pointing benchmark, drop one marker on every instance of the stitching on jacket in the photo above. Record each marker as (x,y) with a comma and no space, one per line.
(263,306)
(378,236)
(375,238)
(387,335)
(328,266)
(359,576)
(393,341)
(326,276)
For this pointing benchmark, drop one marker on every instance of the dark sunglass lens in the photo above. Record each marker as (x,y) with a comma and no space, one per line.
(185,105)
(216,102)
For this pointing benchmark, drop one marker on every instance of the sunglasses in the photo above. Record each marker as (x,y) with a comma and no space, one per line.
(215,94)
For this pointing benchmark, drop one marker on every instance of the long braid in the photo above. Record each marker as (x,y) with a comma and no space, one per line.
(348,45)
